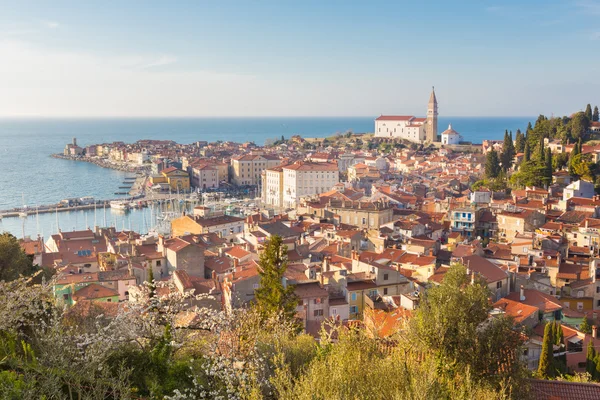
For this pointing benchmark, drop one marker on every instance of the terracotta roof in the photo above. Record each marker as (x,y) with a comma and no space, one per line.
(562,390)
(394,118)
(94,291)
(519,311)
(535,298)
(486,268)
(312,289)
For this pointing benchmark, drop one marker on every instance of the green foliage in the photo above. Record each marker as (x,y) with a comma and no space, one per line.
(530,174)
(519,142)
(548,169)
(585,326)
(579,125)
(508,151)
(273,296)
(559,161)
(453,317)
(492,164)
(13,260)
(546,365)
(527,153)
(588,112)
(590,357)
(595,115)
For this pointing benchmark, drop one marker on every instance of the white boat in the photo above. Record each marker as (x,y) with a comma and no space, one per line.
(119,205)
(23,214)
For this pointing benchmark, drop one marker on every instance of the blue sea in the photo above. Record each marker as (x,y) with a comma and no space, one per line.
(31,177)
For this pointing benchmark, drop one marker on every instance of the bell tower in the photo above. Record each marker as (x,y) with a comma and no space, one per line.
(432,118)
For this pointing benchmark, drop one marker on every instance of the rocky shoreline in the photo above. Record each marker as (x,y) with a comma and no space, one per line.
(104,163)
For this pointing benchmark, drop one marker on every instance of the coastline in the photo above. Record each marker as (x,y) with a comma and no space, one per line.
(103,163)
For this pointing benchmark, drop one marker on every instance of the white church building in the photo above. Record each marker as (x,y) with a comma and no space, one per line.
(450,136)
(410,127)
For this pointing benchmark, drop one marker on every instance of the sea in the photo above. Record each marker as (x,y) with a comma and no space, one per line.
(29,176)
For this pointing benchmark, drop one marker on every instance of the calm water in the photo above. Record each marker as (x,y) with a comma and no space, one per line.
(30,176)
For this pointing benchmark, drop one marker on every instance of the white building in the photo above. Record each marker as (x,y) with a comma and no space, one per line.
(305,178)
(272,187)
(410,127)
(450,136)
(579,189)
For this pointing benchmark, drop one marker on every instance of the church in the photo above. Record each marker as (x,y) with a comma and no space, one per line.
(410,127)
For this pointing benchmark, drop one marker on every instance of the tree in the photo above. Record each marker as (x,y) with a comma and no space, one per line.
(274,295)
(590,365)
(492,164)
(519,142)
(573,159)
(13,260)
(546,364)
(508,151)
(453,317)
(595,115)
(588,112)
(527,155)
(541,154)
(585,326)
(579,125)
(548,168)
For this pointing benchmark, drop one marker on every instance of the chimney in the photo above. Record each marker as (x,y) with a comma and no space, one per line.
(213,275)
(473,278)
(594,331)
(522,294)
(220,252)
(325,264)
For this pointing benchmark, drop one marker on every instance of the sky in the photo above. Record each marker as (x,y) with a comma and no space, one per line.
(297,58)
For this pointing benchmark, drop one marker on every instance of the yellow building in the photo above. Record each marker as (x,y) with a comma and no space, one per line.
(247,169)
(356,296)
(178,180)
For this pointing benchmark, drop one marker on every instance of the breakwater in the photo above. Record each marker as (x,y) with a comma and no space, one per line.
(101,162)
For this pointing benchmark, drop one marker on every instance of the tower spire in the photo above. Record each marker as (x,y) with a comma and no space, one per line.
(432,117)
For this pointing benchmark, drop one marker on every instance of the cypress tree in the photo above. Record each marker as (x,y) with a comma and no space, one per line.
(596,374)
(151,283)
(541,153)
(548,169)
(492,164)
(519,142)
(558,334)
(273,296)
(529,127)
(588,112)
(590,365)
(546,367)
(510,152)
(595,115)
(527,155)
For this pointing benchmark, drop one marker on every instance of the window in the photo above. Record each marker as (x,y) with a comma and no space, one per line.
(580,293)
(158,263)
(255,286)
(579,306)
(354,297)
(334,311)
(317,301)
(318,313)
(109,300)
(499,285)
(354,309)
(385,277)
(385,291)
(567,304)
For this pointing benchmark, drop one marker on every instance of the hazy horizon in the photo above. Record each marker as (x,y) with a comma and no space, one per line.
(69,59)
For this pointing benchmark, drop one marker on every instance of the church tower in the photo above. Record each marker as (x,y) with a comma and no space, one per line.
(432,118)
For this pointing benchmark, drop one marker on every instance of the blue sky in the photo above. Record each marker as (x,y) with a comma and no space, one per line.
(290,58)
